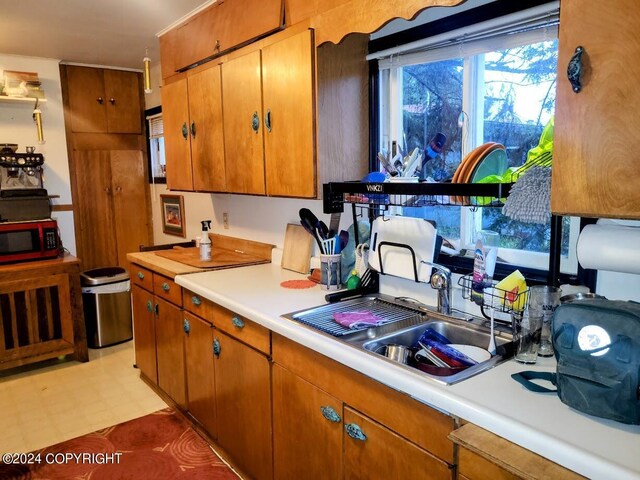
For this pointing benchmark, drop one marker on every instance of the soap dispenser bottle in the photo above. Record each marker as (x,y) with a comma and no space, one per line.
(205,241)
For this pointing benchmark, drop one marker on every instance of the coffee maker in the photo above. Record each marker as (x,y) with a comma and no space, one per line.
(22,193)
(21,173)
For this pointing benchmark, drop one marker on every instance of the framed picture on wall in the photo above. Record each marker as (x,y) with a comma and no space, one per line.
(172,208)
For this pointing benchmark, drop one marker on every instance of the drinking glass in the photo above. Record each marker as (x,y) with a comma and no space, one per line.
(526,336)
(543,301)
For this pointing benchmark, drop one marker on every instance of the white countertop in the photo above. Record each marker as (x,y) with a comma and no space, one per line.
(594,447)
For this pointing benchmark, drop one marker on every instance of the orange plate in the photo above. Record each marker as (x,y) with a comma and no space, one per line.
(471,159)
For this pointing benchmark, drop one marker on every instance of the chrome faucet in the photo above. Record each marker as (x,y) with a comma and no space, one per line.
(441,281)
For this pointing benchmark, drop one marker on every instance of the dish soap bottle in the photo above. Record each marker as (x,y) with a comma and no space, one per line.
(205,241)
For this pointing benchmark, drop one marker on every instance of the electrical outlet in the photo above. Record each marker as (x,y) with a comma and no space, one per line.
(225,220)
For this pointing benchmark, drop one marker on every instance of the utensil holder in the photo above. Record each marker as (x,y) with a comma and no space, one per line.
(330,266)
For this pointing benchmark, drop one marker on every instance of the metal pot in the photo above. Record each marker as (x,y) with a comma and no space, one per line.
(575,297)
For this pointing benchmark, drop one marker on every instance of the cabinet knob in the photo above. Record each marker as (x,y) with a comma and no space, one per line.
(574,69)
(141,275)
(112,101)
(100,100)
(118,189)
(237,322)
(186,326)
(193,129)
(355,432)
(149,306)
(267,120)
(216,347)
(185,131)
(255,122)
(330,414)
(196,300)
(165,287)
(216,47)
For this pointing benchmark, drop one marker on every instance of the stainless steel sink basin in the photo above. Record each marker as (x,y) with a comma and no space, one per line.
(409,322)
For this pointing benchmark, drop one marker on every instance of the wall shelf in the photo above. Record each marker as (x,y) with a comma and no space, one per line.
(21,100)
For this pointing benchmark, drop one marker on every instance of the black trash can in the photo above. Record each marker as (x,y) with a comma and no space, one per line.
(106,296)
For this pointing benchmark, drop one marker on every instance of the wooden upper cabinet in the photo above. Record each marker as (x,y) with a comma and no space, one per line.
(207,139)
(222,26)
(289,116)
(175,117)
(104,100)
(595,168)
(194,142)
(243,125)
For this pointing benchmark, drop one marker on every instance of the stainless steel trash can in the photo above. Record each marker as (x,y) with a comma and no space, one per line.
(106,296)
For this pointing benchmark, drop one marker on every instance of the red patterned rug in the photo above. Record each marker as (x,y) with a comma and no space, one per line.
(158,446)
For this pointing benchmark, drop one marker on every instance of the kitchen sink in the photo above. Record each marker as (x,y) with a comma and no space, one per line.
(407,322)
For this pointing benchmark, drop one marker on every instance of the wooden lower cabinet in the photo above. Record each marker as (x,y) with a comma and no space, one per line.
(144,332)
(41,313)
(198,342)
(243,404)
(372,451)
(307,429)
(170,351)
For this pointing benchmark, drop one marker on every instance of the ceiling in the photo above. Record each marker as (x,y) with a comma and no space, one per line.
(98,32)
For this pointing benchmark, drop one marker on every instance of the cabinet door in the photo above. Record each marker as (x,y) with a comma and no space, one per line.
(87,99)
(129,187)
(243,126)
(122,100)
(207,141)
(595,169)
(170,351)
(96,238)
(177,143)
(200,372)
(144,332)
(243,404)
(289,116)
(371,452)
(307,429)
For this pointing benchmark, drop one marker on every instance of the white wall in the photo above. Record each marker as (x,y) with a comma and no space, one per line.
(17,126)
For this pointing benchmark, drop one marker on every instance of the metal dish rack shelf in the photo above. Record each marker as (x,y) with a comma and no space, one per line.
(412,194)
(492,297)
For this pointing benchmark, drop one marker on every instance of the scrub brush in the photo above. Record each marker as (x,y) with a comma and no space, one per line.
(530,197)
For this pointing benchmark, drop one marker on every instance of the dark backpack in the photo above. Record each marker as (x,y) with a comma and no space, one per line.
(597,348)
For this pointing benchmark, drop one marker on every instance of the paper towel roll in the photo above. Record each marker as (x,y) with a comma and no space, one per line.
(610,247)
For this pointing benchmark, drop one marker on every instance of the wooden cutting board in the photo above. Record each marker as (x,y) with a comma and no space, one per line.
(296,254)
(220,258)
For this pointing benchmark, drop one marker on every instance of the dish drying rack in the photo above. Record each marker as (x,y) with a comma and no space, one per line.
(499,299)
(412,194)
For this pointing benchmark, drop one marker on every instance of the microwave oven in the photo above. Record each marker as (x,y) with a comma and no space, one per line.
(30,240)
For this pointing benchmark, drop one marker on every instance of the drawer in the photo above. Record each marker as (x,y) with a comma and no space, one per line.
(142,277)
(166,288)
(246,331)
(198,305)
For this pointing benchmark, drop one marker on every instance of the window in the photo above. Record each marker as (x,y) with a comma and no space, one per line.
(492,82)
(155,145)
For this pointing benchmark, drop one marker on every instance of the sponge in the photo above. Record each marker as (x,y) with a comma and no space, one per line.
(511,291)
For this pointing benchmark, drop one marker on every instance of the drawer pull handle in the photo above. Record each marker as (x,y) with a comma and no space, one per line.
(185,131)
(238,322)
(255,122)
(156,309)
(330,414)
(193,129)
(186,326)
(574,69)
(165,286)
(267,120)
(149,306)
(141,275)
(216,347)
(196,300)
(354,431)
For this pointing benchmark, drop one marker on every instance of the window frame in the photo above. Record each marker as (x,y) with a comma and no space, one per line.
(459,264)
(152,112)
